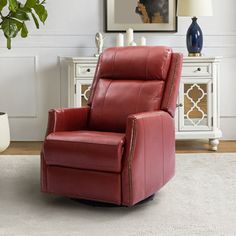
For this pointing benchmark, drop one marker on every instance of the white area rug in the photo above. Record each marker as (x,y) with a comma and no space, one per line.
(200,200)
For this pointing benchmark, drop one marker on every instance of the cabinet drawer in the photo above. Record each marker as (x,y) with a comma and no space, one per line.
(197,69)
(85,70)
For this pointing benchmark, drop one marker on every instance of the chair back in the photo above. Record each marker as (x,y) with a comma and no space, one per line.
(130,80)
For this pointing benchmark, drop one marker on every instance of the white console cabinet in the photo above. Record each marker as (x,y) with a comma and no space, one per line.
(197,113)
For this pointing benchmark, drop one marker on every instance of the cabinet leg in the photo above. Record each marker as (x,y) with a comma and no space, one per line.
(214,144)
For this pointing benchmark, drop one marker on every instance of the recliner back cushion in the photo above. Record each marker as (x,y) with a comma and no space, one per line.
(138,63)
(129,80)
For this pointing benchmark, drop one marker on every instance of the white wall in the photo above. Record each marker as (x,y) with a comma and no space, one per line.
(70,31)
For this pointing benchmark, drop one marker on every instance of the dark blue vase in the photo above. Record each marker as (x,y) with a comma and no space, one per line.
(194,39)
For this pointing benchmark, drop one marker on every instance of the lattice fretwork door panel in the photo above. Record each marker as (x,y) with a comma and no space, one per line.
(195,112)
(82,92)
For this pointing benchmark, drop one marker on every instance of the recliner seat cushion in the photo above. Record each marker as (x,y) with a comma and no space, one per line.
(101,151)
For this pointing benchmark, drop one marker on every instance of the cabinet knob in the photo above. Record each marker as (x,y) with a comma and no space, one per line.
(179,105)
(88,70)
(199,69)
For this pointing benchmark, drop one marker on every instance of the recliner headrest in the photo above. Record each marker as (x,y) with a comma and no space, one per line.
(125,63)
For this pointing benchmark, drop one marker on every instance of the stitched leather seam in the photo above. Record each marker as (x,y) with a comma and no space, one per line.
(165,61)
(101,113)
(163,152)
(56,141)
(101,167)
(172,84)
(144,156)
(130,158)
(54,121)
(84,169)
(158,97)
(146,67)
(95,81)
(137,103)
(113,64)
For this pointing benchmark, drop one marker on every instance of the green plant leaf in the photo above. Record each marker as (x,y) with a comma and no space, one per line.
(26,9)
(13,22)
(35,20)
(17,23)
(30,3)
(13,5)
(10,27)
(20,15)
(41,12)
(24,31)
(3,3)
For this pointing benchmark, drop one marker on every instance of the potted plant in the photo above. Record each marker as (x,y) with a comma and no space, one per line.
(14,15)
(4,132)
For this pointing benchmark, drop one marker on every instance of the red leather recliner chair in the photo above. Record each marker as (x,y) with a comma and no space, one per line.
(120,148)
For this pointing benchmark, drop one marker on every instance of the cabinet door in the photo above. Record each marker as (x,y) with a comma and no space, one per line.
(195,97)
(82,92)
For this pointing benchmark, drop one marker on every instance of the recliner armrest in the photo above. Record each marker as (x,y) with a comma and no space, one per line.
(67,119)
(149,156)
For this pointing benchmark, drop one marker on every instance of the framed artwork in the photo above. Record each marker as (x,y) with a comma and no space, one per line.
(141,15)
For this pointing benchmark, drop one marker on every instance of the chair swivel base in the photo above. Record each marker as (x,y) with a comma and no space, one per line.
(104,204)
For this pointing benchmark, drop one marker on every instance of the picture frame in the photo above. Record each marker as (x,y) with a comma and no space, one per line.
(141,15)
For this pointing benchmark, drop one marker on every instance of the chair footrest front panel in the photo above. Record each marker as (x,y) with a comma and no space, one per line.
(84,184)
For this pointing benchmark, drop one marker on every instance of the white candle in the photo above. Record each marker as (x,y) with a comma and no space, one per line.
(133,44)
(120,40)
(143,41)
(129,36)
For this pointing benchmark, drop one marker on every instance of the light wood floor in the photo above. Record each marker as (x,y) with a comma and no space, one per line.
(196,146)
